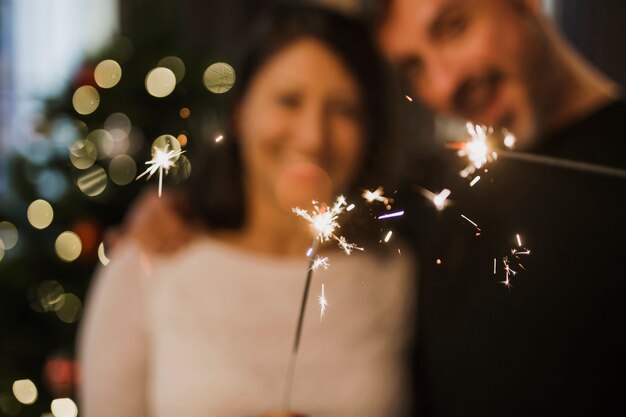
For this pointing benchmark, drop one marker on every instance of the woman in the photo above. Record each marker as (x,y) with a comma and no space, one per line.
(208,330)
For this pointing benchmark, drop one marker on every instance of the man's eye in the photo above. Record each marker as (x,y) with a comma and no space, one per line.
(289,100)
(454,26)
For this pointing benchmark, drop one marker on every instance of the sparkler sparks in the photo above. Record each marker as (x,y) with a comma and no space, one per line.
(323,220)
(162,160)
(470,221)
(477,149)
(514,256)
(323,302)
(319,262)
(439,200)
(376,195)
(390,215)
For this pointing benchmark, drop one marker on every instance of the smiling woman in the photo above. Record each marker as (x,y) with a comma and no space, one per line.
(209,330)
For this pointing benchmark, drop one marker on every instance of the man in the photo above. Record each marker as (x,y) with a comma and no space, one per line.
(504,331)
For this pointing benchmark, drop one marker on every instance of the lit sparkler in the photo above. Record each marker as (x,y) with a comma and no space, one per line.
(162,160)
(477,149)
(324,222)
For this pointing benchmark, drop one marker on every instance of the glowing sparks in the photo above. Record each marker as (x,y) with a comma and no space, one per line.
(376,195)
(513,256)
(474,181)
(324,222)
(219,138)
(319,262)
(388,236)
(350,207)
(408,98)
(509,139)
(476,149)
(346,246)
(470,221)
(440,199)
(390,215)
(323,303)
(162,160)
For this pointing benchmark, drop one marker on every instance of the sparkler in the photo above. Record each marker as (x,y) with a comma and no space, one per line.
(162,160)
(324,223)
(439,200)
(477,149)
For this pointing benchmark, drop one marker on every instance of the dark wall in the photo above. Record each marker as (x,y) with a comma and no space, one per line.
(598,29)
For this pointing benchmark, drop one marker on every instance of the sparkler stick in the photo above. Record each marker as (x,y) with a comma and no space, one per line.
(564,163)
(324,222)
(296,341)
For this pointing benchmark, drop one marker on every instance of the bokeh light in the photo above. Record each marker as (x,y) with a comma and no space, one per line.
(70,309)
(181,171)
(103,141)
(118,121)
(93,181)
(46,296)
(83,154)
(101,255)
(51,184)
(160,82)
(25,391)
(9,405)
(1,250)
(219,77)
(68,246)
(122,169)
(108,73)
(64,407)
(8,235)
(40,214)
(184,113)
(174,64)
(182,139)
(85,100)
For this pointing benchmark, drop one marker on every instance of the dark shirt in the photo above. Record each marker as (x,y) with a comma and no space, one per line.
(553,343)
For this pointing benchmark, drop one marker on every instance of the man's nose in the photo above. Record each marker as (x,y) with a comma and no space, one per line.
(441,81)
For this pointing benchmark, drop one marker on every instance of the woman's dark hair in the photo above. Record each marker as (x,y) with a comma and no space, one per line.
(216,187)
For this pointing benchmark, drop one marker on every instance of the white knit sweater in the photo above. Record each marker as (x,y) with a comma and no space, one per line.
(208,332)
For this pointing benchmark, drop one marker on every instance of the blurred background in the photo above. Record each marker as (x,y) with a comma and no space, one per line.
(79,110)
